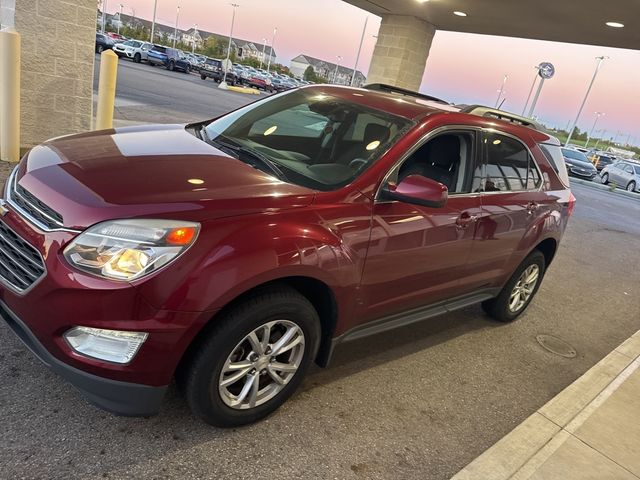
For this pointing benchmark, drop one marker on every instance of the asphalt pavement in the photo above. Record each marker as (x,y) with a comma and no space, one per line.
(419,403)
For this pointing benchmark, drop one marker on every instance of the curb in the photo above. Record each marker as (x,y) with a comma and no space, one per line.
(520,453)
(605,188)
(247,90)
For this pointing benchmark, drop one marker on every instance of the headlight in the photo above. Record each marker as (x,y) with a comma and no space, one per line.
(110,345)
(128,249)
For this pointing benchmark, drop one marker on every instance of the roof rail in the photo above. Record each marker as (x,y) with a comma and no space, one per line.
(381,87)
(483,111)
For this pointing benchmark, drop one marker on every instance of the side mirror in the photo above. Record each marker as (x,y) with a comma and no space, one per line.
(418,190)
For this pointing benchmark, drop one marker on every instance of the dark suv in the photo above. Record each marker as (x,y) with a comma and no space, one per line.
(235,252)
(170,58)
(212,68)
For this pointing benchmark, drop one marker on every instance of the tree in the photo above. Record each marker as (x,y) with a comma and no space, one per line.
(310,75)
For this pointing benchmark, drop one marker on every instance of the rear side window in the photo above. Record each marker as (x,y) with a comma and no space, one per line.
(160,49)
(509,166)
(554,155)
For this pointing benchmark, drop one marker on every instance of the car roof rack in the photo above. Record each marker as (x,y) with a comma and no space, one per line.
(483,111)
(381,87)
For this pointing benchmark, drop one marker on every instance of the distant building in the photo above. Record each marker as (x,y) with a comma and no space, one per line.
(334,73)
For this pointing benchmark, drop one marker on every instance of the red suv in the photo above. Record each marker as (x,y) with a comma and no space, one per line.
(233,253)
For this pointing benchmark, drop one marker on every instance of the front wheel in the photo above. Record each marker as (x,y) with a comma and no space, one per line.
(631,187)
(171,67)
(605,178)
(203,77)
(517,294)
(100,49)
(253,358)
(137,58)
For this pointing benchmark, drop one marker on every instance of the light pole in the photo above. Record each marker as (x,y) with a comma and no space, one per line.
(501,91)
(586,97)
(598,115)
(273,41)
(175,31)
(335,74)
(223,84)
(193,38)
(104,16)
(535,79)
(602,135)
(355,67)
(153,22)
(120,18)
(264,47)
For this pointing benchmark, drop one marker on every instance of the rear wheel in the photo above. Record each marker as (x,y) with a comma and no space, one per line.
(254,358)
(203,77)
(171,67)
(631,187)
(605,178)
(519,291)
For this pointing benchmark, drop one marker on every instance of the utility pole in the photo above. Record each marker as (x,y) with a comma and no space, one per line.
(120,18)
(273,52)
(335,74)
(598,115)
(223,84)
(586,97)
(175,31)
(153,22)
(501,91)
(355,67)
(264,47)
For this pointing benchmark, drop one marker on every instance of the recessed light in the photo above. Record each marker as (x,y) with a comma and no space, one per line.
(460,14)
(195,181)
(615,24)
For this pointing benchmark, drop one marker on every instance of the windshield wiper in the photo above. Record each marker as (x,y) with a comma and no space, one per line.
(240,150)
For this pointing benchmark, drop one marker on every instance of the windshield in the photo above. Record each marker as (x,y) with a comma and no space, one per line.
(636,169)
(575,155)
(316,140)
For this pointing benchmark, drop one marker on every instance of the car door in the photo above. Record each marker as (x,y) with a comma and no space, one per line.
(615,172)
(417,255)
(627,175)
(512,201)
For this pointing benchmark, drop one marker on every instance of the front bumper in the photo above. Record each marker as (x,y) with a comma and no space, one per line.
(577,172)
(121,398)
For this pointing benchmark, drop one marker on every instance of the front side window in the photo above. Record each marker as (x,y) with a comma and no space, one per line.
(509,166)
(628,168)
(313,139)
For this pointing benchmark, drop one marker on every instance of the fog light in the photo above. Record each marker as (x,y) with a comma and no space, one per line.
(109,345)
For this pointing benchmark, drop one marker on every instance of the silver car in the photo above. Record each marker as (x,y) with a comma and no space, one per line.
(623,173)
(133,49)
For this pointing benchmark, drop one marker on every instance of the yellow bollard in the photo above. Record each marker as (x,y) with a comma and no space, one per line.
(107,90)
(9,95)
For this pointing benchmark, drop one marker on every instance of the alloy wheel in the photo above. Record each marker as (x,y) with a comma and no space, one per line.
(524,288)
(261,364)
(631,187)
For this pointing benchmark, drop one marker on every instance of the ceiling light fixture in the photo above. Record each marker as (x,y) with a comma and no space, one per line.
(460,14)
(615,24)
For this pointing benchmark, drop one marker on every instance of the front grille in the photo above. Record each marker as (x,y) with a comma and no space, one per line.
(32,208)
(20,264)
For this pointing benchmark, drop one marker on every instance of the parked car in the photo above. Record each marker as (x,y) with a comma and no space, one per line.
(573,146)
(116,37)
(133,49)
(169,58)
(601,159)
(233,253)
(103,42)
(259,81)
(578,165)
(279,85)
(624,174)
(212,68)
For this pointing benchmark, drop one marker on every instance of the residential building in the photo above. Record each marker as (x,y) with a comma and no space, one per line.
(334,73)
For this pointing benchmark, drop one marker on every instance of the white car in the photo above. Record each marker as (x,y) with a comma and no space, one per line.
(133,49)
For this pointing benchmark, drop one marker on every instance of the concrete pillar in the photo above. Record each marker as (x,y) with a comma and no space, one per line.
(401,52)
(58,41)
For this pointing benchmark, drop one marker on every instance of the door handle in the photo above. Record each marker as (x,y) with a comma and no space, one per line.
(532,207)
(464,220)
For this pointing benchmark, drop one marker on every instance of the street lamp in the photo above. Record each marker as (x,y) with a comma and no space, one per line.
(355,67)
(598,115)
(273,41)
(104,16)
(175,31)
(501,91)
(264,47)
(193,38)
(153,22)
(586,97)
(223,84)
(335,74)
(120,18)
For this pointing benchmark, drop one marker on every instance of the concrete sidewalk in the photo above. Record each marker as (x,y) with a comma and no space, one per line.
(591,430)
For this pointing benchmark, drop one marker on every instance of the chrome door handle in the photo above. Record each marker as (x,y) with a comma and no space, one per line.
(532,207)
(463,221)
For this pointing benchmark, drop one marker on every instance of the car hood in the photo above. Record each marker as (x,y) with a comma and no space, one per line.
(579,163)
(151,171)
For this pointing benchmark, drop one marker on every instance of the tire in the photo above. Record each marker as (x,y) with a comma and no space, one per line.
(631,187)
(137,58)
(203,77)
(226,340)
(171,66)
(499,308)
(100,49)
(605,178)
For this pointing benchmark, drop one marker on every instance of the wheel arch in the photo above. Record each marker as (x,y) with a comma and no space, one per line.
(548,248)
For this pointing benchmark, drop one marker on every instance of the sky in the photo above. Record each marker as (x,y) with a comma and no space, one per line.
(462,68)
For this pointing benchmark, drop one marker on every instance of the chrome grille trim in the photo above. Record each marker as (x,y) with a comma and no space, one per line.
(12,193)
(21,265)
